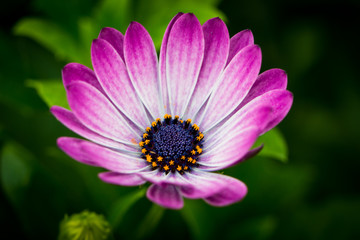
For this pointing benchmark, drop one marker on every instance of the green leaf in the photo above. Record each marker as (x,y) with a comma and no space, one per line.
(52,92)
(150,221)
(120,207)
(51,36)
(274,145)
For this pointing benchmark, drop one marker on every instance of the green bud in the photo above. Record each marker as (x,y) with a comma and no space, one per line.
(84,226)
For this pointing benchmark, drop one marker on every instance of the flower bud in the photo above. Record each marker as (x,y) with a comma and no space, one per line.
(84,226)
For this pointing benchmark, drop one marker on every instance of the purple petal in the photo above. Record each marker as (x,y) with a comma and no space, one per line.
(141,61)
(216,189)
(247,156)
(236,82)
(167,196)
(67,118)
(269,80)
(281,106)
(115,38)
(232,193)
(113,77)
(96,112)
(95,155)
(215,55)
(184,55)
(280,101)
(226,152)
(255,115)
(74,72)
(121,179)
(238,42)
(162,63)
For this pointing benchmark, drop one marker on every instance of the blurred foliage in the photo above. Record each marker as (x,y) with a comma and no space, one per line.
(315,195)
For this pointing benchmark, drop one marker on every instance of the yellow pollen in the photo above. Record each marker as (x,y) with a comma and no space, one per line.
(171,162)
(154,164)
(145,135)
(166,167)
(188,121)
(153,124)
(165,116)
(199,150)
(143,150)
(169,116)
(158,120)
(148,129)
(201,136)
(147,141)
(196,127)
(179,168)
(176,116)
(193,152)
(190,159)
(183,157)
(141,144)
(181,121)
(148,158)
(159,159)
(194,161)
(186,168)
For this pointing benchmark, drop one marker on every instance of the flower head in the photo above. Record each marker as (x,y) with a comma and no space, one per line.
(172,121)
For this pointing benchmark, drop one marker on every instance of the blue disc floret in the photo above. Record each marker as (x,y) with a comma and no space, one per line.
(172,145)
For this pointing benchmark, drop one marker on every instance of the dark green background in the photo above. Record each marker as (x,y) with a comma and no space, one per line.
(313,196)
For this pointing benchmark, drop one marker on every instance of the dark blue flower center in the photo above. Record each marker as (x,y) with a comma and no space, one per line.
(172,141)
(172,145)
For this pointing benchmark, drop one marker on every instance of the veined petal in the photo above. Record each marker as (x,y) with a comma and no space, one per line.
(121,179)
(113,77)
(142,64)
(236,82)
(233,192)
(184,55)
(216,52)
(269,80)
(167,196)
(67,118)
(216,189)
(115,38)
(162,64)
(73,72)
(228,151)
(256,115)
(280,101)
(95,155)
(251,153)
(96,112)
(281,107)
(239,41)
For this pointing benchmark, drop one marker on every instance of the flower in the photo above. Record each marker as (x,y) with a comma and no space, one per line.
(84,225)
(173,121)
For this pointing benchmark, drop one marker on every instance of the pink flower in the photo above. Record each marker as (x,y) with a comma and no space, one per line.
(172,121)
